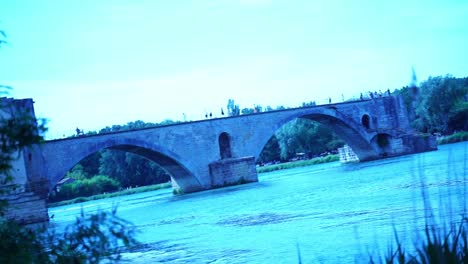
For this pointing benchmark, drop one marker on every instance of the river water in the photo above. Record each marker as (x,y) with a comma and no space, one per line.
(328,213)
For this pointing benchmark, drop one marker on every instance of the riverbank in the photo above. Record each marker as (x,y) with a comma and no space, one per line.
(454,138)
(114,194)
(299,163)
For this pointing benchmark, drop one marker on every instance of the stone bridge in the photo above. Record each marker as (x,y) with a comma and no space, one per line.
(211,153)
(218,152)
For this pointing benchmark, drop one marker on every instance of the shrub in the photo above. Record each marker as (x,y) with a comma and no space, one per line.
(457,137)
(91,239)
(300,163)
(86,187)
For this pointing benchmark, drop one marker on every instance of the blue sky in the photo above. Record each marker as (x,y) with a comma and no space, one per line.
(94,63)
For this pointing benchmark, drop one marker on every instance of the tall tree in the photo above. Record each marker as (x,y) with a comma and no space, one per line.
(442,98)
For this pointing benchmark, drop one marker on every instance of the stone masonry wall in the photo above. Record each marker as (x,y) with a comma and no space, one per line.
(26,208)
(233,171)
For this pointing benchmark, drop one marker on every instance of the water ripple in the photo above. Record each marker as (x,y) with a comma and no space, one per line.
(258,219)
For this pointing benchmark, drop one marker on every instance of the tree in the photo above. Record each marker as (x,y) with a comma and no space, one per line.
(90,164)
(441,99)
(112,163)
(130,169)
(311,103)
(458,118)
(247,111)
(271,151)
(232,108)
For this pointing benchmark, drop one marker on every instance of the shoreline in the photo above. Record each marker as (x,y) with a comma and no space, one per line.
(453,138)
(298,163)
(148,188)
(141,189)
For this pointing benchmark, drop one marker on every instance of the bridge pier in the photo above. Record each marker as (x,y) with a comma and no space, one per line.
(27,204)
(233,171)
(388,146)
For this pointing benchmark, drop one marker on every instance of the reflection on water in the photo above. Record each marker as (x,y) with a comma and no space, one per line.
(335,213)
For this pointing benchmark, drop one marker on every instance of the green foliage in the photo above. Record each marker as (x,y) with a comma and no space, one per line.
(86,187)
(311,103)
(443,102)
(130,169)
(20,245)
(407,94)
(300,163)
(91,239)
(458,119)
(232,108)
(77,173)
(131,126)
(271,151)
(305,136)
(113,194)
(457,137)
(90,165)
(247,111)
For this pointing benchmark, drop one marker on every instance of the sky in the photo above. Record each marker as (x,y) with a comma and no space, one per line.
(97,63)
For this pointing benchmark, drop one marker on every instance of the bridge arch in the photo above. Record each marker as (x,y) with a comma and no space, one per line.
(349,130)
(382,141)
(182,177)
